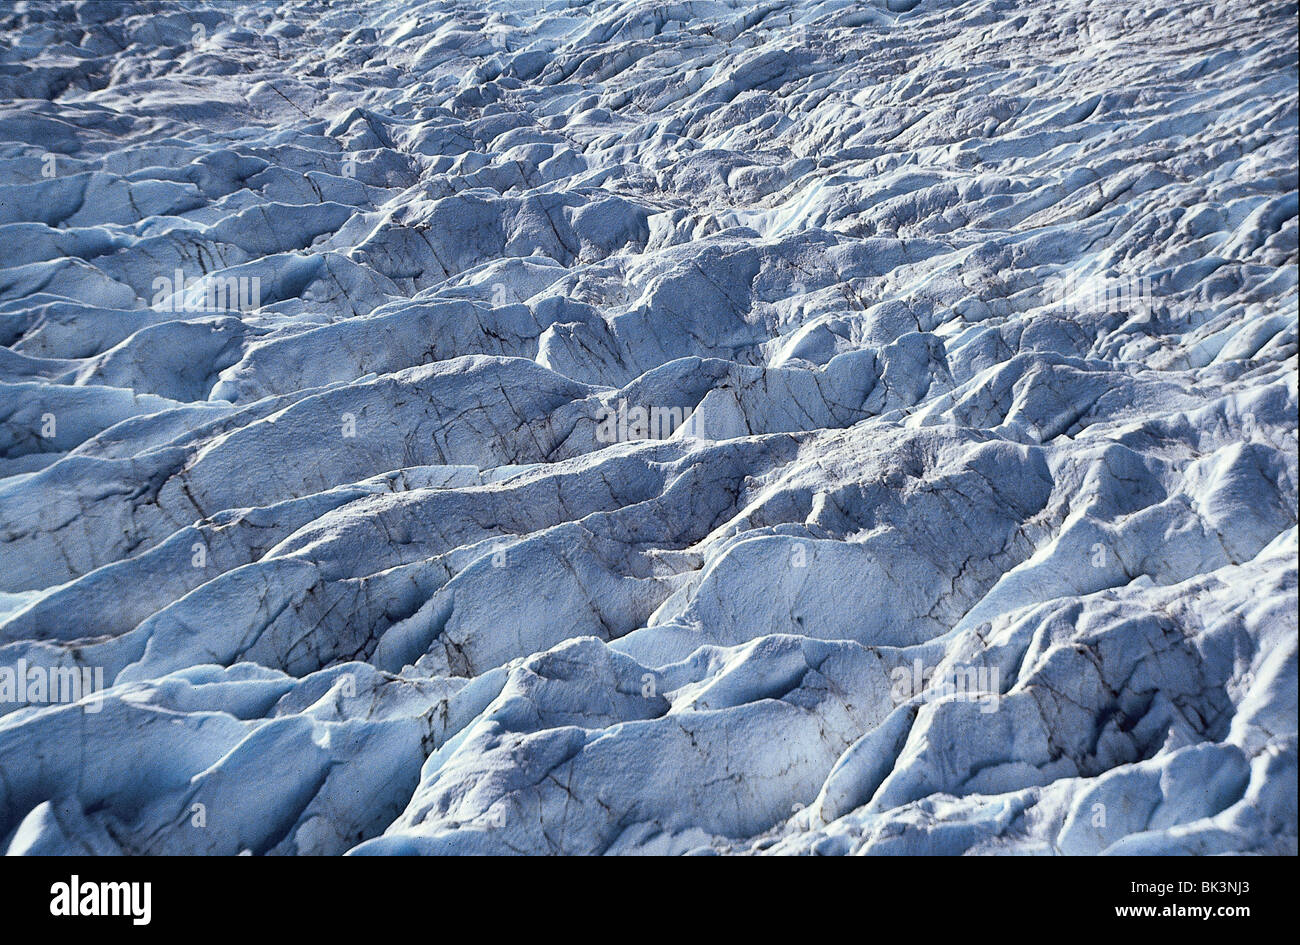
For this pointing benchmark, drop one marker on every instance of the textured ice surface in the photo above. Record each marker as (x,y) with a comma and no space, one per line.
(963,333)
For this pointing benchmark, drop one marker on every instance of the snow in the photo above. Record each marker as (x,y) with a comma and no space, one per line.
(980,320)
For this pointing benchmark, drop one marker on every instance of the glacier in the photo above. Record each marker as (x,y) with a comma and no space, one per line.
(704,427)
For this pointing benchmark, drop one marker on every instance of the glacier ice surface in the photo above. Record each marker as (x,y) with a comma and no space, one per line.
(703,427)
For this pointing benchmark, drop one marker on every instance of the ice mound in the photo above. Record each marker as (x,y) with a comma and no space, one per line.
(513,427)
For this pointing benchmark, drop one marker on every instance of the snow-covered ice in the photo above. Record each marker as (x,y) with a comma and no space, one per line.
(805,426)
